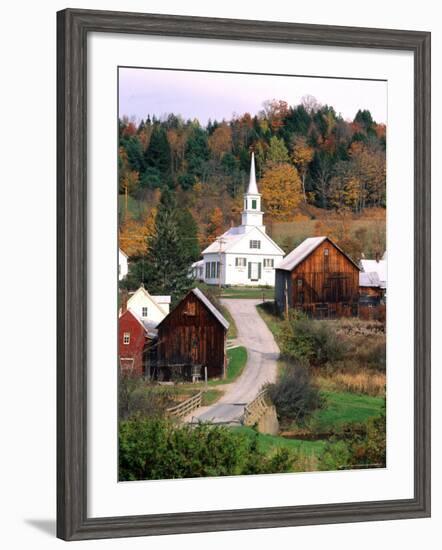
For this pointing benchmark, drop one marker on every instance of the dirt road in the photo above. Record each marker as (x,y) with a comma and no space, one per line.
(261,365)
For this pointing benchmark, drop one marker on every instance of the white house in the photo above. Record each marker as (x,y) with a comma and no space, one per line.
(377,266)
(244,255)
(148,308)
(123,267)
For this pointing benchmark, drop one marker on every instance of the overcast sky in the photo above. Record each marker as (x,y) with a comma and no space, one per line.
(203,95)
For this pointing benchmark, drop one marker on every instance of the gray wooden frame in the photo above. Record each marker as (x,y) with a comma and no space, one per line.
(73,27)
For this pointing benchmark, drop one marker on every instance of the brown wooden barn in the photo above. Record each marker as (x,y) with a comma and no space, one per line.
(190,338)
(318,278)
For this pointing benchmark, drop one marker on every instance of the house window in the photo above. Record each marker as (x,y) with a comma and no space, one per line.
(144,311)
(253,204)
(299,283)
(126,338)
(212,270)
(240,262)
(208,270)
(255,244)
(269,262)
(325,251)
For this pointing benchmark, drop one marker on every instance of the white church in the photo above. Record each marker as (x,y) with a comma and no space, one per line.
(243,255)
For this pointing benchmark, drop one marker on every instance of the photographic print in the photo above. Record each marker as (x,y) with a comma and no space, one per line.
(252,273)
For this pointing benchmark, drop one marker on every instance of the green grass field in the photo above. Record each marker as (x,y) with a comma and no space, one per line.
(232,333)
(257,293)
(345,407)
(270,443)
(211,396)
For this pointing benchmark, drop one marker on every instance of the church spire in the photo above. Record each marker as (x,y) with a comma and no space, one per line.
(252,214)
(253,188)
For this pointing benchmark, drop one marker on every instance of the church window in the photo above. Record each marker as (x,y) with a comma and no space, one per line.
(255,244)
(253,204)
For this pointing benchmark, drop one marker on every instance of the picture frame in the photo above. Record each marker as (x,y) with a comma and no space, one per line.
(73,27)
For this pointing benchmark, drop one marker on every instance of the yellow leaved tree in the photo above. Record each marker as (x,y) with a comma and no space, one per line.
(281,190)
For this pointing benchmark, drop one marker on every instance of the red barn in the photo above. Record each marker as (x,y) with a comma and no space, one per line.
(191,338)
(319,278)
(134,338)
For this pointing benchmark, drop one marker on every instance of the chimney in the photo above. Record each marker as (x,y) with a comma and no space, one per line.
(123,299)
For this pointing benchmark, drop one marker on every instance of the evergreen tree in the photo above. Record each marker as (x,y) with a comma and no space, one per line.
(197,152)
(188,231)
(167,261)
(158,154)
(165,268)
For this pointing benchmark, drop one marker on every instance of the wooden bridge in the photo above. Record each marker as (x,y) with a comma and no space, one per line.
(186,407)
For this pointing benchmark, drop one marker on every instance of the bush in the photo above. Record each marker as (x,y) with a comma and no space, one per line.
(138,397)
(294,396)
(356,445)
(306,340)
(158,449)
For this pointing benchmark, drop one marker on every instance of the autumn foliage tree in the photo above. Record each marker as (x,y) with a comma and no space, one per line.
(281,190)
(215,225)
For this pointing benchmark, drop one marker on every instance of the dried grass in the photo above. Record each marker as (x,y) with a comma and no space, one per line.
(364,382)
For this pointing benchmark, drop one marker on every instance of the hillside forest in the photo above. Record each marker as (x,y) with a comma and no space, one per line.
(183,182)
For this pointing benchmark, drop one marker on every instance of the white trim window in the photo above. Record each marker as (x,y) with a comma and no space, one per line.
(240,262)
(255,244)
(144,311)
(269,262)
(126,338)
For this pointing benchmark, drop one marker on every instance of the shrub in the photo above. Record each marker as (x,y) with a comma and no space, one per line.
(356,445)
(306,340)
(152,448)
(138,397)
(294,396)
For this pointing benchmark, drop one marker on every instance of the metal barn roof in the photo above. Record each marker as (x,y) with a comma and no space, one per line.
(211,307)
(369,279)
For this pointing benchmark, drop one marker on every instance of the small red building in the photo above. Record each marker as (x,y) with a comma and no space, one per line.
(134,338)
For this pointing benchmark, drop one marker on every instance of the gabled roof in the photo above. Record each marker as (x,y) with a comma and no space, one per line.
(148,329)
(203,298)
(379,267)
(232,236)
(302,251)
(153,299)
(161,299)
(369,279)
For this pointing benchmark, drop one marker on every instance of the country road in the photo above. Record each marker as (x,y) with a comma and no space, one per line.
(261,365)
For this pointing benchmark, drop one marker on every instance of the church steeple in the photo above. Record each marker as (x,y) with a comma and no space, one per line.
(252,214)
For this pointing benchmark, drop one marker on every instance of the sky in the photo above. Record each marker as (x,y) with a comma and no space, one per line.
(217,96)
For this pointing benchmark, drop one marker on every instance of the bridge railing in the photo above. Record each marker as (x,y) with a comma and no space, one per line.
(255,409)
(186,407)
